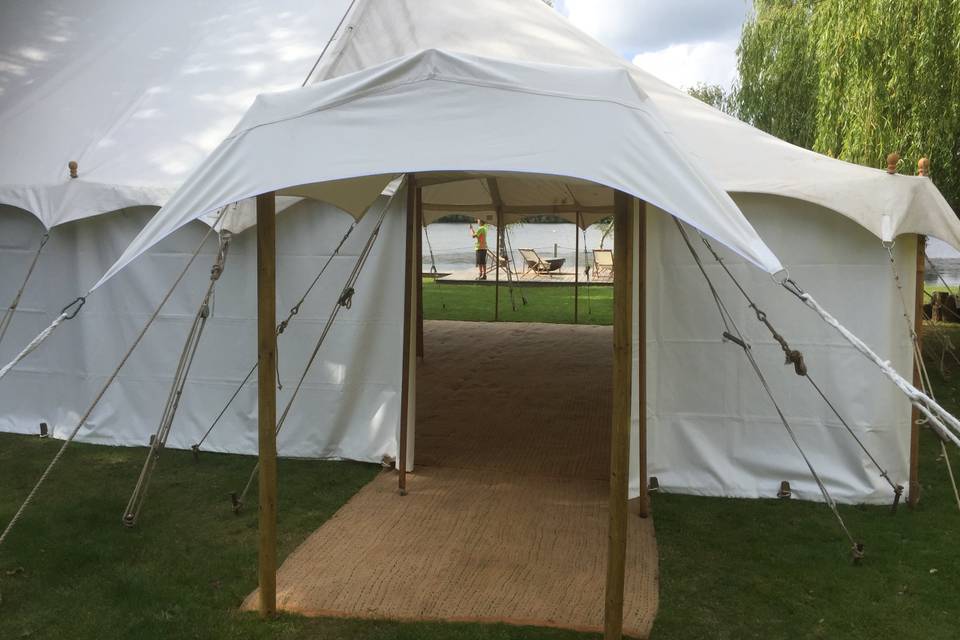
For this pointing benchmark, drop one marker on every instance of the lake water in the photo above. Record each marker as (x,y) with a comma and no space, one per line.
(453,246)
(946,261)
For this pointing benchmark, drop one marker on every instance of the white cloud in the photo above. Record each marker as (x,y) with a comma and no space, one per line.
(686,65)
(684,42)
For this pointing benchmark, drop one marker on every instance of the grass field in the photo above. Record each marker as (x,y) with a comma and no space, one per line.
(729,568)
(552,303)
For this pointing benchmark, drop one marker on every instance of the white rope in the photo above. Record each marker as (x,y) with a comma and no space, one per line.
(925,384)
(937,415)
(36,342)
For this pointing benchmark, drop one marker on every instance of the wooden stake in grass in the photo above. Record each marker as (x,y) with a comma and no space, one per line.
(267,399)
(623,240)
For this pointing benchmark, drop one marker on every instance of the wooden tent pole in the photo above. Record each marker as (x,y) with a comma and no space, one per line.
(913,494)
(408,269)
(576,270)
(641,237)
(267,399)
(496,283)
(419,271)
(620,432)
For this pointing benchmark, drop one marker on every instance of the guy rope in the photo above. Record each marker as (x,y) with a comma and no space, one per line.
(856,548)
(159,439)
(281,327)
(924,377)
(8,313)
(795,358)
(345,300)
(110,379)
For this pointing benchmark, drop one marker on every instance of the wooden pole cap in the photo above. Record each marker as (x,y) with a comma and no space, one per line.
(73,166)
(892,160)
(923,167)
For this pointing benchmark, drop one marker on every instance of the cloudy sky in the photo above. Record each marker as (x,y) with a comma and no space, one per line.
(681,41)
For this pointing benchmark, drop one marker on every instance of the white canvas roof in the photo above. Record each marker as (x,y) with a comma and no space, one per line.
(739,157)
(138,93)
(433,113)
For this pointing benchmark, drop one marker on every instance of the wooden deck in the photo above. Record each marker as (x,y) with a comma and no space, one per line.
(565,277)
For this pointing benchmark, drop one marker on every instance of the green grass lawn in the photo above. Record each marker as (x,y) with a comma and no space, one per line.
(728,568)
(552,303)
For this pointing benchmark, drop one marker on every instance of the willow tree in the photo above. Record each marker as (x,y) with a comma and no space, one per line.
(856,79)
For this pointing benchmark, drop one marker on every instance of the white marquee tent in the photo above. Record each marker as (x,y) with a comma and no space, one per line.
(710,429)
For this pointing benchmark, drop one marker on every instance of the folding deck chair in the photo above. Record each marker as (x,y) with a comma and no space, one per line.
(535,263)
(602,263)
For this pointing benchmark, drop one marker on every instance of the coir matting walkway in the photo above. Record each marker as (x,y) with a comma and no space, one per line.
(506,515)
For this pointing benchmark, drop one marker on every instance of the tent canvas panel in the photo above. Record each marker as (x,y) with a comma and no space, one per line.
(711,429)
(350,402)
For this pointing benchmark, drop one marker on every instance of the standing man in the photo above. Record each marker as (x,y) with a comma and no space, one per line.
(480,244)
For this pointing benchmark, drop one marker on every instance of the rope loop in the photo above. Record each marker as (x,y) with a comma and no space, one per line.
(79,302)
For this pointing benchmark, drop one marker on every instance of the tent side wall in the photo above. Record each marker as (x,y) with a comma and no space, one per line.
(349,405)
(711,428)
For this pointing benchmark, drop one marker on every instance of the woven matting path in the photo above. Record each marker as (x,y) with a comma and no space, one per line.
(506,516)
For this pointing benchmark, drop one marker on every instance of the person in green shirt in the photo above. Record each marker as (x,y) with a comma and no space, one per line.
(480,244)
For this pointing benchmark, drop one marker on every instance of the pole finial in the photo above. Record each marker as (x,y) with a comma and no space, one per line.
(73,166)
(892,160)
(923,167)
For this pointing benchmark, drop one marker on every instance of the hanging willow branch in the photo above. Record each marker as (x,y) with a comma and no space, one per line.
(856,78)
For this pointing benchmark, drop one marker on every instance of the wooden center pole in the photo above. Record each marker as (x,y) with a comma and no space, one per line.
(641,236)
(913,493)
(409,266)
(267,399)
(418,274)
(576,269)
(623,240)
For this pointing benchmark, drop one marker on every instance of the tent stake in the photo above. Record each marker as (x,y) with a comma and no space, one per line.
(267,398)
(913,496)
(409,259)
(620,432)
